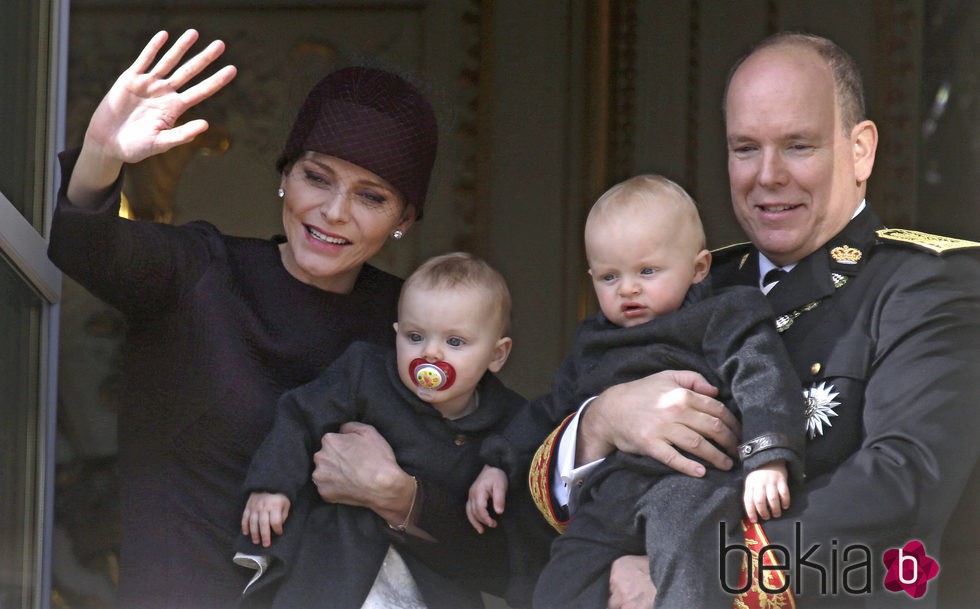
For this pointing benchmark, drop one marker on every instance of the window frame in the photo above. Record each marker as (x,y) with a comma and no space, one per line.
(24,247)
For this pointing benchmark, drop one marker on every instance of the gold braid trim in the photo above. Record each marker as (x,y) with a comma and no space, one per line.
(936,244)
(755,597)
(539,478)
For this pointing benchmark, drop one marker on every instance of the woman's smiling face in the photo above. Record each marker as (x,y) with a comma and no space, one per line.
(336,216)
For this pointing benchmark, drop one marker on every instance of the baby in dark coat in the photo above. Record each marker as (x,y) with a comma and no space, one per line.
(433,398)
(647,259)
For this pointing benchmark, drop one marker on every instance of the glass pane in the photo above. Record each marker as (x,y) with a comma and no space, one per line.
(20,107)
(20,310)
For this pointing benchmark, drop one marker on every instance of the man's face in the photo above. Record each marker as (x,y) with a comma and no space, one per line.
(791,169)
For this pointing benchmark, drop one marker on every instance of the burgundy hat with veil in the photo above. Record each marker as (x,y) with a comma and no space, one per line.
(373,119)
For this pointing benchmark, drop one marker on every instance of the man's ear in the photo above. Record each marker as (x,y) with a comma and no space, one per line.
(501,351)
(864,140)
(702,264)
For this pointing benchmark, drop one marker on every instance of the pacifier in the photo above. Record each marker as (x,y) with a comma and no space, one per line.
(431,377)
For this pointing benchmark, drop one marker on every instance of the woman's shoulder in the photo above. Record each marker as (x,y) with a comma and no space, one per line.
(368,352)
(376,295)
(244,245)
(373,279)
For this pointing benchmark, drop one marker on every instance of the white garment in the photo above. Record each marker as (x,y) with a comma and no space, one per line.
(394,587)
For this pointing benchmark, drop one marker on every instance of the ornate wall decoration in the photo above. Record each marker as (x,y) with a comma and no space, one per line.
(896,82)
(470,187)
(622,71)
(693,113)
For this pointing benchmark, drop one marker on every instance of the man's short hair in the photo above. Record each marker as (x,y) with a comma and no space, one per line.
(848,86)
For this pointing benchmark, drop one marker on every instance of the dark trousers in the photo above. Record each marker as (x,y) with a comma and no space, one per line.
(634,505)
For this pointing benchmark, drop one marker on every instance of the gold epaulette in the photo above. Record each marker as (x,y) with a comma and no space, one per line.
(934,244)
(538,478)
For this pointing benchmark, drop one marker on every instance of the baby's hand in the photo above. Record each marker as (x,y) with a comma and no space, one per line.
(264,514)
(766,492)
(491,484)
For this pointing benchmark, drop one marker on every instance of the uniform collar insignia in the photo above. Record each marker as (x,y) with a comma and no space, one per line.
(845,254)
(849,249)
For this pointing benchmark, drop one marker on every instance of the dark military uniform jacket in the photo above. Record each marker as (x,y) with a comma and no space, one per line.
(883,328)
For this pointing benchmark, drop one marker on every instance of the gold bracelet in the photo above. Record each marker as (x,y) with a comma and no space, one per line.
(404,526)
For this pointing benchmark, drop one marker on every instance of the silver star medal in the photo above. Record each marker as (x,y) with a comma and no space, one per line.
(819,408)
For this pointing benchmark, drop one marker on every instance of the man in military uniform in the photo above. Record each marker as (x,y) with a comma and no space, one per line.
(881,324)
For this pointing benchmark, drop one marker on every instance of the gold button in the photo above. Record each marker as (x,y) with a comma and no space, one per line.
(459,440)
(815,369)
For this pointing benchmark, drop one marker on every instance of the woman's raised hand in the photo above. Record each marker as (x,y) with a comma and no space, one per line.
(139,115)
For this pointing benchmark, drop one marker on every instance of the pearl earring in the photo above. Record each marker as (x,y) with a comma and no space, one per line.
(398,234)
(282,193)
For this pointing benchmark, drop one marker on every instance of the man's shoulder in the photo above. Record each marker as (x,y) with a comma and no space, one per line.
(922,254)
(732,251)
(730,265)
(936,245)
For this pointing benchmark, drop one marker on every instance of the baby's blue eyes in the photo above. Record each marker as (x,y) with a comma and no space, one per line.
(453,341)
(613,276)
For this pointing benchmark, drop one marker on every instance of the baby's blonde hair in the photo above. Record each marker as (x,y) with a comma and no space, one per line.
(463,269)
(651,193)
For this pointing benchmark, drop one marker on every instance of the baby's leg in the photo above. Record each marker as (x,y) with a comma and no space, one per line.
(681,517)
(602,529)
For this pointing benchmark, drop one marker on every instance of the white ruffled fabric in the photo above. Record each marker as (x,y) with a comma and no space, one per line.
(394,587)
